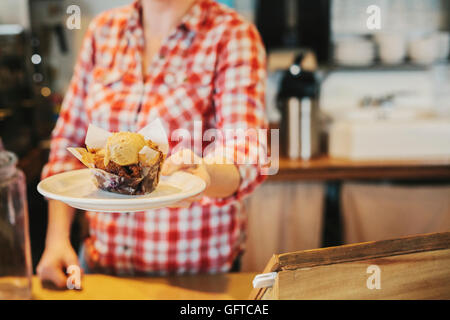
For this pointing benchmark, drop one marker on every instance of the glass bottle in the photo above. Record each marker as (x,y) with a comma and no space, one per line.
(15,252)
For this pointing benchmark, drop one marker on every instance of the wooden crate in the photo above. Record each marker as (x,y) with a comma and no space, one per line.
(416,267)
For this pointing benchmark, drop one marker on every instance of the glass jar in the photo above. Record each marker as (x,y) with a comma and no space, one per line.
(15,252)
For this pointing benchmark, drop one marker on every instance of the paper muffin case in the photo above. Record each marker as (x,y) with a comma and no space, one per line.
(96,139)
(132,186)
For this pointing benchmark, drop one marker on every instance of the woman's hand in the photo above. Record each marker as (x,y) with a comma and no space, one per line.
(54,261)
(186,160)
(222,179)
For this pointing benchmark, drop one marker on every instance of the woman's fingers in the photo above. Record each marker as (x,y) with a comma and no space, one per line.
(169,167)
(55,262)
(53,274)
(202,172)
(181,160)
(186,160)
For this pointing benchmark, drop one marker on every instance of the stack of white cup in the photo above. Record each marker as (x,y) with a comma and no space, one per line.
(391,47)
(354,51)
(423,49)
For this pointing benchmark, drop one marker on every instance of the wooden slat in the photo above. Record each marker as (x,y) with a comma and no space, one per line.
(360,251)
(420,275)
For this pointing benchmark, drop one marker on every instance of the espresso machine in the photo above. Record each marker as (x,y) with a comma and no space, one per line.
(16,89)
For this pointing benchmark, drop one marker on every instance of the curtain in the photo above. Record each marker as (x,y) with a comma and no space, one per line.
(383,211)
(282,217)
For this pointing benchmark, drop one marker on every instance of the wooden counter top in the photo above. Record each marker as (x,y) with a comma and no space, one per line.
(326,168)
(231,286)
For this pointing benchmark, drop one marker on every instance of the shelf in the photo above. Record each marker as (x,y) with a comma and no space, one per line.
(326,168)
(406,66)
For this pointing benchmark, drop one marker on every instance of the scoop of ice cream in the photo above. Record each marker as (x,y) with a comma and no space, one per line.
(123,148)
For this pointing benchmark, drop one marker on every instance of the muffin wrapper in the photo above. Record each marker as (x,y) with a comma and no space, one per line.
(124,185)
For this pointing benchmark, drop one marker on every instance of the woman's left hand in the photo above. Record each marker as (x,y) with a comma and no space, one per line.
(188,161)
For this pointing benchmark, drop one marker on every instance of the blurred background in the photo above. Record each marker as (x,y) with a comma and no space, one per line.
(360,91)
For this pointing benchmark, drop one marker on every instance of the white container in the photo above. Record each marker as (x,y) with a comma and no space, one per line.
(354,51)
(423,50)
(390,139)
(391,47)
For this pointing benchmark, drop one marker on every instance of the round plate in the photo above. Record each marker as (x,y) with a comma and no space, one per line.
(77,189)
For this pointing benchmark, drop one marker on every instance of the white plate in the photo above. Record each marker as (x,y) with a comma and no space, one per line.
(77,189)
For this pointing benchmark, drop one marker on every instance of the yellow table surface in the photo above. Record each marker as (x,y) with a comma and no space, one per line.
(197,287)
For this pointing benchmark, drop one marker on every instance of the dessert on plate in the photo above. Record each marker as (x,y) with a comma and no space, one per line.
(124,162)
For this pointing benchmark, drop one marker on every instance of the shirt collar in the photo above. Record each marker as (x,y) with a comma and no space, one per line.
(192,20)
(135,15)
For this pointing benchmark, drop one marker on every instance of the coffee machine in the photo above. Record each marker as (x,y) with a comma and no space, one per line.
(16,89)
(27,99)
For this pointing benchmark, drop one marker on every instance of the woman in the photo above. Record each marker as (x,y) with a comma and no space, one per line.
(185,62)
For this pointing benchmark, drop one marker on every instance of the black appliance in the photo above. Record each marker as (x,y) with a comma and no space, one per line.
(295,24)
(16,90)
(297,101)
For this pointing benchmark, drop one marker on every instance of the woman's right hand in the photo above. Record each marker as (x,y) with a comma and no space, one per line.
(54,262)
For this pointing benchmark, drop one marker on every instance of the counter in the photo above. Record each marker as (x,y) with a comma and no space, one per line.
(231,286)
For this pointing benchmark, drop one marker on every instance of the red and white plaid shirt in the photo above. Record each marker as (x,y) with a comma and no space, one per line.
(210,69)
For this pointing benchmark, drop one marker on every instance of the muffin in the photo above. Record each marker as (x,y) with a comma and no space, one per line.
(127,164)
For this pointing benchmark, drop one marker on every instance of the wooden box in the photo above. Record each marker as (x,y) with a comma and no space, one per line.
(416,267)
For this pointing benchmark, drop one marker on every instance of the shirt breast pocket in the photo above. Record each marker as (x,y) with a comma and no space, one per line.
(190,88)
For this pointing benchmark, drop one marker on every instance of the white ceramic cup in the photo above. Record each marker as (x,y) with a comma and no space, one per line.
(391,47)
(423,50)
